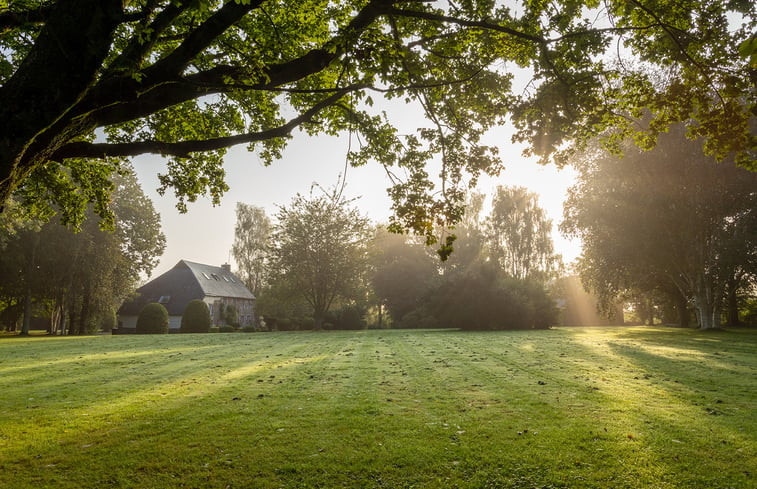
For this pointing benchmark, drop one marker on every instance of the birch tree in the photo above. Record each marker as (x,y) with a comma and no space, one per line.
(252,238)
(519,235)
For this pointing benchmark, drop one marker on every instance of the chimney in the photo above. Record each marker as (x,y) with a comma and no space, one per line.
(226,267)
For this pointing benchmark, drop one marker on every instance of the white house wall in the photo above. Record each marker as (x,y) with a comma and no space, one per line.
(128,321)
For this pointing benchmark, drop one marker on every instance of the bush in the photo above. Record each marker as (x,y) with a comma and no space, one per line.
(349,317)
(226,329)
(308,323)
(153,319)
(419,318)
(249,329)
(196,318)
(214,329)
(284,324)
(483,300)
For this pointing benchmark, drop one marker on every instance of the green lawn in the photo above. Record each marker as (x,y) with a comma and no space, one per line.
(564,408)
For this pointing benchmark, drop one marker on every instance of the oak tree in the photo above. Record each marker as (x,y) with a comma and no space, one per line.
(86,83)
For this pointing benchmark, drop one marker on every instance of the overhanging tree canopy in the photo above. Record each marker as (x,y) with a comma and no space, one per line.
(188,79)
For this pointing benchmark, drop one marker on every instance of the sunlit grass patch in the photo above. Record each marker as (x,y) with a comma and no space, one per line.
(586,407)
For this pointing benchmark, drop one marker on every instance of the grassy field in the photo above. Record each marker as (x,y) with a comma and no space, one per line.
(564,408)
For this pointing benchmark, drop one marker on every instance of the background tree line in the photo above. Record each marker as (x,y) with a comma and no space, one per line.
(671,232)
(669,229)
(77,277)
(325,265)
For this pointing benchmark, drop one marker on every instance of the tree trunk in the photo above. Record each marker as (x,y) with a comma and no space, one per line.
(84,315)
(72,321)
(733,306)
(708,315)
(57,71)
(27,311)
(30,271)
(682,308)
(55,317)
(318,316)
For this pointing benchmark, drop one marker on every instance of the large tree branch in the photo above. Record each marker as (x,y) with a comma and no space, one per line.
(525,36)
(11,19)
(120,97)
(83,149)
(140,45)
(61,58)
(417,14)
(119,100)
(167,94)
(199,39)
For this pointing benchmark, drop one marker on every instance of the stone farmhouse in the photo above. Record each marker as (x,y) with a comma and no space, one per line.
(186,281)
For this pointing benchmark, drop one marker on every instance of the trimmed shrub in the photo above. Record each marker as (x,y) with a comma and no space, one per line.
(153,319)
(249,329)
(226,329)
(214,329)
(196,318)
(419,318)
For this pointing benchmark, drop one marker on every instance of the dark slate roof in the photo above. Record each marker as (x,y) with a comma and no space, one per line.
(184,282)
(217,282)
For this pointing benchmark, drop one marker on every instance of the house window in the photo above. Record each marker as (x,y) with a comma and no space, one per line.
(164,299)
(214,276)
(226,278)
(206,275)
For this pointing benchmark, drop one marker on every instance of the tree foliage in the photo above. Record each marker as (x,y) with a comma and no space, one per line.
(483,298)
(84,276)
(319,250)
(402,272)
(252,236)
(87,83)
(672,217)
(196,317)
(475,288)
(519,235)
